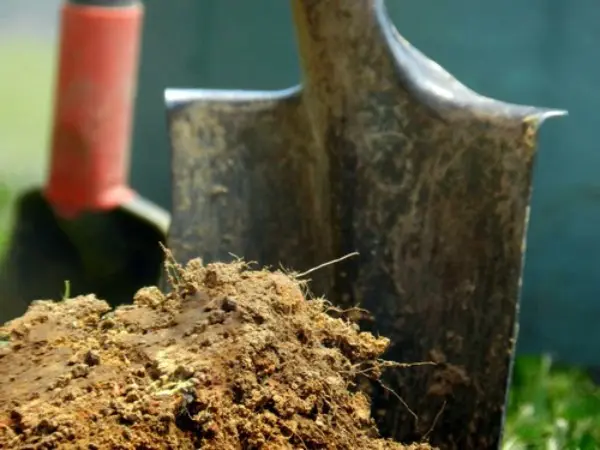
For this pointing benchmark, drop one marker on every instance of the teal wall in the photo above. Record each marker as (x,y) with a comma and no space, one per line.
(541,52)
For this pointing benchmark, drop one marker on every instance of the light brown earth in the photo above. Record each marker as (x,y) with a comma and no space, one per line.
(231,358)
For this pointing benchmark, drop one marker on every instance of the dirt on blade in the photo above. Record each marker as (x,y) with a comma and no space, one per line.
(231,359)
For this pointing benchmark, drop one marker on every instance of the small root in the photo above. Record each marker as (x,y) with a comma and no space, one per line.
(325,264)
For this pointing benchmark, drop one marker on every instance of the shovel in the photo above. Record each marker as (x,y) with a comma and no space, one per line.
(87,227)
(383,152)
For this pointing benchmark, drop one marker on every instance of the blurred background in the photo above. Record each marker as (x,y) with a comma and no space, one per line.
(541,52)
(27,48)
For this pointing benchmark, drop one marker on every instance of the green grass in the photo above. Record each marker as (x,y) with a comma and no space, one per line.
(551,408)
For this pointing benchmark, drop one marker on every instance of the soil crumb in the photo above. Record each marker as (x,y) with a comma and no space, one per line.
(230,358)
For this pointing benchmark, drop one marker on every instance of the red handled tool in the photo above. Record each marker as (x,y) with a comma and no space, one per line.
(87,226)
(94,103)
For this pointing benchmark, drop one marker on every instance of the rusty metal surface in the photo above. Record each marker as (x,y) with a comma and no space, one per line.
(379,151)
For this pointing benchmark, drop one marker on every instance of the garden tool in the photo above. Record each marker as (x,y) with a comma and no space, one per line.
(86,226)
(383,152)
(229,44)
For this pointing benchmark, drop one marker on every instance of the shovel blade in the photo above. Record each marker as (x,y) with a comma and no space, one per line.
(244,178)
(383,152)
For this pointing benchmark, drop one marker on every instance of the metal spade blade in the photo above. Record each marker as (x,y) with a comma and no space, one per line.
(380,151)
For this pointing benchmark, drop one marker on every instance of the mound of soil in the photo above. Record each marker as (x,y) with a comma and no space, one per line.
(230,359)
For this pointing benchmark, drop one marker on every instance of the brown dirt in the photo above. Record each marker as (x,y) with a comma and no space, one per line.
(230,359)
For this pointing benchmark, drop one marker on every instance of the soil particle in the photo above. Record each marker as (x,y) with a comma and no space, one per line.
(231,358)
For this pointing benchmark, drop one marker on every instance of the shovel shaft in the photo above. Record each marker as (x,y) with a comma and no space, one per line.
(95,90)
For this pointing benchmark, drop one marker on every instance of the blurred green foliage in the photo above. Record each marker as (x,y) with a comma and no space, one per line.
(552,408)
(26,79)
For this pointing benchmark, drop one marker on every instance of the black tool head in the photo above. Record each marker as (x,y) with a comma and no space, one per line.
(111,254)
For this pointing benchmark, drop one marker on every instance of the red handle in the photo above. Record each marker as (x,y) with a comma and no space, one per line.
(94,98)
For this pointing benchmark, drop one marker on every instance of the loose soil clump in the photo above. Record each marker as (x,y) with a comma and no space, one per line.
(230,358)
